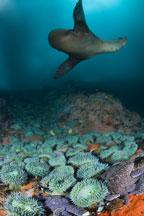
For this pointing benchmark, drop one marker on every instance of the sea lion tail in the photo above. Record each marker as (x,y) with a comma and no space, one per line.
(66,66)
(80,24)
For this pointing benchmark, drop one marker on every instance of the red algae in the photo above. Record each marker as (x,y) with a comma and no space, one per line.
(93,146)
(26,187)
(135,208)
(139,150)
(2,211)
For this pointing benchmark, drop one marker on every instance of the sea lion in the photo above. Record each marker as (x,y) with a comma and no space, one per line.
(80,43)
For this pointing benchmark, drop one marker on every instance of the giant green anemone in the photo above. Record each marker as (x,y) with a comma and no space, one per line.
(86,139)
(91,169)
(72,152)
(88,192)
(58,184)
(37,169)
(57,161)
(13,175)
(62,170)
(18,204)
(82,158)
(59,180)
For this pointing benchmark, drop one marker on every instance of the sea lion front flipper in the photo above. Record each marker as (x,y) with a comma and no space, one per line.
(66,66)
(79,18)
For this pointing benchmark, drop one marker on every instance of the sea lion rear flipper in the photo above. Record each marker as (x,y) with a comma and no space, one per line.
(79,18)
(66,66)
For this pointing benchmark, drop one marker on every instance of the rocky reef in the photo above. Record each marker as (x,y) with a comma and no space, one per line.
(99,112)
(65,144)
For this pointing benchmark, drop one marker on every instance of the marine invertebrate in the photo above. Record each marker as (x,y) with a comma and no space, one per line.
(4,150)
(13,175)
(119,156)
(31,160)
(58,184)
(61,204)
(104,138)
(72,139)
(59,180)
(116,135)
(86,139)
(119,152)
(106,153)
(127,138)
(17,147)
(88,192)
(14,157)
(62,170)
(57,161)
(72,151)
(94,134)
(80,146)
(45,148)
(130,147)
(29,151)
(16,164)
(82,158)
(29,133)
(37,168)
(46,155)
(18,204)
(53,142)
(62,147)
(91,169)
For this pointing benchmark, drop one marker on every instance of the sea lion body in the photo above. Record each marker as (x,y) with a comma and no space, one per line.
(80,43)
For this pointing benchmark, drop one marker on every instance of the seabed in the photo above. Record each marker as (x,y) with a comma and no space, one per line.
(44,133)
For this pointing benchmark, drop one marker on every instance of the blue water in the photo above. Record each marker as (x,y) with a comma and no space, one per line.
(28,61)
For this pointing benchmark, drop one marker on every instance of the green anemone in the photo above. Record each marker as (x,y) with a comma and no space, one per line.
(58,184)
(57,161)
(108,152)
(18,204)
(80,146)
(88,192)
(119,156)
(91,169)
(59,180)
(86,139)
(37,169)
(82,158)
(104,138)
(62,147)
(14,157)
(47,155)
(72,139)
(72,152)
(130,148)
(13,175)
(31,160)
(17,164)
(62,170)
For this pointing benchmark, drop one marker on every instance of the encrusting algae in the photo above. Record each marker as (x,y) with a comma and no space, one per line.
(135,208)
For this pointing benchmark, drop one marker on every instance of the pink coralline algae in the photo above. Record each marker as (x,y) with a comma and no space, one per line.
(99,112)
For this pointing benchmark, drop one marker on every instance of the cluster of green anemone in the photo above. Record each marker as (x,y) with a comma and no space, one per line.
(116,147)
(64,165)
